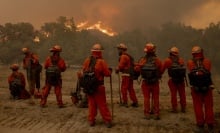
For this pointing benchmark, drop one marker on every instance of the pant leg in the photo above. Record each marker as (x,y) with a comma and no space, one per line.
(182,94)
(92,108)
(124,88)
(58,93)
(45,92)
(100,99)
(146,93)
(131,91)
(209,113)
(173,92)
(198,107)
(155,93)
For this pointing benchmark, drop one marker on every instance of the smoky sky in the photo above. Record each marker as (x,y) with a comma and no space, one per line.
(121,15)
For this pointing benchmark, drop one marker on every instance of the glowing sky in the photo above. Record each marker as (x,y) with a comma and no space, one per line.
(119,14)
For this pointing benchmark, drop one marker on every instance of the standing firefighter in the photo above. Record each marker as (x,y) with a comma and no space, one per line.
(151,69)
(54,65)
(94,70)
(201,89)
(177,73)
(124,66)
(17,83)
(33,70)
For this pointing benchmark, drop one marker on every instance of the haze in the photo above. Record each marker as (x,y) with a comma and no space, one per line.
(121,15)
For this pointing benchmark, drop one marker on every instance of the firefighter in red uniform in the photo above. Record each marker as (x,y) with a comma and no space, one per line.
(17,83)
(97,100)
(33,69)
(127,81)
(201,89)
(151,69)
(176,71)
(54,65)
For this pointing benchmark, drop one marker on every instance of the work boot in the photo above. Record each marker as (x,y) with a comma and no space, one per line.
(135,104)
(210,128)
(147,117)
(124,104)
(174,110)
(92,123)
(108,124)
(156,117)
(199,129)
(183,110)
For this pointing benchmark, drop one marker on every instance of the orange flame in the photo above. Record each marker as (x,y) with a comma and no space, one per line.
(97,26)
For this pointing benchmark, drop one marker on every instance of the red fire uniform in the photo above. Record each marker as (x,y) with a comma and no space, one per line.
(127,81)
(62,67)
(98,99)
(202,102)
(151,89)
(176,87)
(23,94)
(30,62)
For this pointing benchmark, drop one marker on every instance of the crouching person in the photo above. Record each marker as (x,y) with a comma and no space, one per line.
(96,90)
(17,83)
(54,65)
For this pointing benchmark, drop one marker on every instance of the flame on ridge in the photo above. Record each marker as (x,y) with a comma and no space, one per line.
(97,26)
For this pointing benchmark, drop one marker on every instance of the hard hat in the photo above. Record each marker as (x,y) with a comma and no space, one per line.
(121,46)
(25,50)
(97,47)
(150,48)
(174,50)
(56,48)
(196,50)
(14,67)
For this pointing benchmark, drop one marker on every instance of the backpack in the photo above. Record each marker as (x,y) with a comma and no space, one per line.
(149,71)
(134,74)
(16,86)
(53,73)
(200,82)
(177,71)
(89,82)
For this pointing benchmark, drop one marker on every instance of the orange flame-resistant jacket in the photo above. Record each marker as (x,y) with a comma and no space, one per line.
(206,64)
(143,61)
(168,63)
(30,57)
(124,63)
(14,74)
(60,63)
(101,68)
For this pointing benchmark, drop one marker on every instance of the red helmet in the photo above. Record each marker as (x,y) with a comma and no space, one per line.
(97,47)
(122,46)
(174,50)
(56,48)
(150,48)
(14,67)
(196,50)
(25,50)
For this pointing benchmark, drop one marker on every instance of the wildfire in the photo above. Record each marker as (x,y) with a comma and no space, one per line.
(97,26)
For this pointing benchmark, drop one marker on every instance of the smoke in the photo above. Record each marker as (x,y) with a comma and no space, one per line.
(121,15)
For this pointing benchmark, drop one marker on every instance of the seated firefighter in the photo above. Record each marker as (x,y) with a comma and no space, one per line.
(17,83)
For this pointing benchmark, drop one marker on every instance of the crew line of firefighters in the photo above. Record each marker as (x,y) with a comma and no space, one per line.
(150,67)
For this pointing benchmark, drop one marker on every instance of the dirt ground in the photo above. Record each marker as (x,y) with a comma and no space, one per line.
(26,116)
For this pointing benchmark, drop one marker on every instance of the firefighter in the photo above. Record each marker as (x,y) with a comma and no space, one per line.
(97,100)
(176,72)
(33,69)
(17,83)
(201,89)
(151,69)
(54,65)
(123,67)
